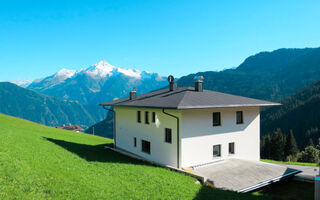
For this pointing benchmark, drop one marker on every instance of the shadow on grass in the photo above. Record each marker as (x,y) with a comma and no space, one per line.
(207,192)
(95,153)
(289,189)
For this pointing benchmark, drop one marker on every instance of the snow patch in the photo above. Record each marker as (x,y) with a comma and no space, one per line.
(64,74)
(130,72)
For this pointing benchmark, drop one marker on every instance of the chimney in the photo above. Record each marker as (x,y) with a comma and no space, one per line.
(199,84)
(133,94)
(173,85)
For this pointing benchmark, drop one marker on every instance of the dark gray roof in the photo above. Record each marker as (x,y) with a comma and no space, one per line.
(187,98)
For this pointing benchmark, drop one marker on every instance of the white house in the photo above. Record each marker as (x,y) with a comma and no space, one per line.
(186,126)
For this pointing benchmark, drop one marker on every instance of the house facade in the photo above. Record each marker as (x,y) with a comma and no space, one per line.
(187,127)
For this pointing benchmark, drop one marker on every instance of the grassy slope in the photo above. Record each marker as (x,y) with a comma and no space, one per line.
(38,162)
(290,163)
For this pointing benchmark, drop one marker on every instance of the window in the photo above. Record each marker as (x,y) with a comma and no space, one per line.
(145,146)
(139,116)
(134,141)
(153,117)
(146,115)
(239,117)
(168,135)
(231,148)
(216,119)
(217,150)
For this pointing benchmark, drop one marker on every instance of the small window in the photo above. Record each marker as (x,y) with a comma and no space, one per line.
(217,150)
(216,119)
(231,148)
(145,146)
(139,116)
(146,117)
(134,141)
(168,135)
(239,117)
(153,117)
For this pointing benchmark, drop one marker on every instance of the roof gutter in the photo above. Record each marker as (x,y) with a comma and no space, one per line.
(178,136)
(114,125)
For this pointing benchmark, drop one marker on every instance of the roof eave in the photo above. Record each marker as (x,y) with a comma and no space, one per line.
(197,107)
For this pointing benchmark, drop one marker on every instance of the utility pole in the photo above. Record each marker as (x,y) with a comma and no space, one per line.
(92,130)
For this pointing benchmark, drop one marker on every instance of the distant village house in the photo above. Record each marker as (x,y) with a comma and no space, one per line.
(76,128)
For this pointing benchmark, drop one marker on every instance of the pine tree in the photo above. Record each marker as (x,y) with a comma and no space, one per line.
(278,142)
(310,143)
(266,146)
(291,147)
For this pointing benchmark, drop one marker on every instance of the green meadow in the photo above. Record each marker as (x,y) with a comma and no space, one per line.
(39,162)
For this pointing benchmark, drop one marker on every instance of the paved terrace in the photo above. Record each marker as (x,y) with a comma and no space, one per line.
(244,176)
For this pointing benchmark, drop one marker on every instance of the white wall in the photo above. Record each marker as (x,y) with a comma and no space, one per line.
(198,135)
(127,128)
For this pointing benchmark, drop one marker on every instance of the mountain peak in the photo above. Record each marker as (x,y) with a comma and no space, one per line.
(100,70)
(103,62)
(103,69)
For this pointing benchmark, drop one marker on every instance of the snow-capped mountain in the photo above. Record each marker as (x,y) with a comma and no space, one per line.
(22,83)
(51,81)
(97,83)
(103,69)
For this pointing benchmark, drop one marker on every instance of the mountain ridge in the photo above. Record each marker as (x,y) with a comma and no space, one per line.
(97,83)
(280,74)
(27,104)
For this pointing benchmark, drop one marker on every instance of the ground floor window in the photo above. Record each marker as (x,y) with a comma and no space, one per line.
(217,150)
(134,141)
(231,148)
(145,146)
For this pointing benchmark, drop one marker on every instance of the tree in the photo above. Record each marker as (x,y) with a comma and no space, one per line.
(291,148)
(310,154)
(310,143)
(266,146)
(278,142)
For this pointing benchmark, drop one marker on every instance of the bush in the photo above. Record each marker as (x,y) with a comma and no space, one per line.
(292,158)
(310,154)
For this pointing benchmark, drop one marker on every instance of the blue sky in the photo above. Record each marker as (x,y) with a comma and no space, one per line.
(37,38)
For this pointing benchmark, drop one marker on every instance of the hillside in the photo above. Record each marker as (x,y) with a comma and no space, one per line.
(299,113)
(39,162)
(36,107)
(103,128)
(266,75)
(98,83)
